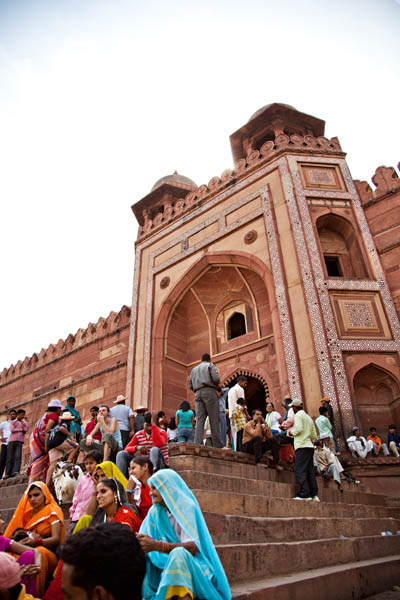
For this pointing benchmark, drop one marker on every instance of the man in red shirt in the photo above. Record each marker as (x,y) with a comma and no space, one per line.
(150,441)
(94,411)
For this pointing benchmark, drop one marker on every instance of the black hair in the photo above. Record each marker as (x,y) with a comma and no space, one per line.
(272,404)
(94,455)
(205,357)
(253,412)
(392,426)
(372,428)
(20,411)
(160,414)
(241,378)
(184,405)
(105,406)
(147,418)
(12,410)
(94,408)
(19,535)
(241,401)
(108,555)
(323,410)
(143,460)
(110,483)
(172,423)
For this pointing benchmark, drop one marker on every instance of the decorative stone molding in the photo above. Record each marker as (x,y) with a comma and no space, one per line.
(155,220)
(250,237)
(164,283)
(247,373)
(385,179)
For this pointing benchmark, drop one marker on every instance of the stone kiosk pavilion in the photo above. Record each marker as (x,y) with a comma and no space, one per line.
(273,268)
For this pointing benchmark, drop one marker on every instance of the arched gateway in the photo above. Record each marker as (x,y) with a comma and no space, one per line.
(272,269)
(197,318)
(257,392)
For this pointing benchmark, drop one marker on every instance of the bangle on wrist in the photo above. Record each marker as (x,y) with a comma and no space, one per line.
(38,541)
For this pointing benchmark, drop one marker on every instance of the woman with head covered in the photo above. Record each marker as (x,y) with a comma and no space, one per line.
(38,522)
(181,561)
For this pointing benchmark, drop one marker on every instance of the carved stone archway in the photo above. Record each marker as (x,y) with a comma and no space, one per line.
(377,395)
(257,391)
(170,371)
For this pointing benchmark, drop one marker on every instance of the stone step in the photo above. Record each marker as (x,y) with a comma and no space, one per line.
(12,490)
(229,529)
(6,514)
(246,561)
(355,580)
(233,468)
(9,501)
(327,489)
(264,506)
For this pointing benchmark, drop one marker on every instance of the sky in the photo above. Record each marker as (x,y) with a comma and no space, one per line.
(100,98)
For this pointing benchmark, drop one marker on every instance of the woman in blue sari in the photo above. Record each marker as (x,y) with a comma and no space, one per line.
(76,424)
(181,561)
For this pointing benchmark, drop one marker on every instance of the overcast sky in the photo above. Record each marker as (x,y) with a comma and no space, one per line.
(100,98)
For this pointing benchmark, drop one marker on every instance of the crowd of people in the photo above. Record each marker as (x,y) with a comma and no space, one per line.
(145,534)
(130,508)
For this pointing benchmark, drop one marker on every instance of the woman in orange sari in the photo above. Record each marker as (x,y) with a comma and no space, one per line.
(42,520)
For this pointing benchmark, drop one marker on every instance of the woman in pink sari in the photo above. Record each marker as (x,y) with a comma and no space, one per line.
(40,460)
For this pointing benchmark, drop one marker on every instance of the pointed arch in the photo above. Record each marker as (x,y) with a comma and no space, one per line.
(180,369)
(340,249)
(377,397)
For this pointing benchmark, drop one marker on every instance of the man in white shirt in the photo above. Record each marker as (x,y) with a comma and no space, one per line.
(4,435)
(125,417)
(358,445)
(236,392)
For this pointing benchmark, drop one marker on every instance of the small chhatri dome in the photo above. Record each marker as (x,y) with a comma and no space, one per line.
(175,178)
(260,110)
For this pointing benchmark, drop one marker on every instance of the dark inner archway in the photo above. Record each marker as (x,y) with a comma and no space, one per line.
(255,394)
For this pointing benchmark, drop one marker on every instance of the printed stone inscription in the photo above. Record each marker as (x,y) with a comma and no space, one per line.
(360,315)
(321,176)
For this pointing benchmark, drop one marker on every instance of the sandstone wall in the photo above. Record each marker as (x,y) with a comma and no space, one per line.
(91,365)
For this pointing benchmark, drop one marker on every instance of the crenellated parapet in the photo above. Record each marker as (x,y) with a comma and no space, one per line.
(154,213)
(386,181)
(83,337)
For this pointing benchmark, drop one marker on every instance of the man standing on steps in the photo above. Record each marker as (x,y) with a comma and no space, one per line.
(4,435)
(204,382)
(125,417)
(304,433)
(235,393)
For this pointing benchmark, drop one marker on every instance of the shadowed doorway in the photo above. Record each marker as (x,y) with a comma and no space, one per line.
(255,393)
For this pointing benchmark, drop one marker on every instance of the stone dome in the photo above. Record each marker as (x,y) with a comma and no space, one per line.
(260,110)
(175,178)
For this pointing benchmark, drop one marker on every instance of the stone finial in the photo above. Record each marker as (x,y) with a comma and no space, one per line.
(386,179)
(364,190)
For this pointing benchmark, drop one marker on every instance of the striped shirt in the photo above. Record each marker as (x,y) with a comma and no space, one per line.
(141,438)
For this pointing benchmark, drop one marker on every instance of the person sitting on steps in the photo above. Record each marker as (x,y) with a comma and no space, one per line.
(258,439)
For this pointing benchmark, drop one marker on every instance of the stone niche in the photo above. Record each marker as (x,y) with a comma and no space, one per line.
(375,383)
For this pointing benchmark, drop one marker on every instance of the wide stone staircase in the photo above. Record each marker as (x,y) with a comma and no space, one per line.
(274,547)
